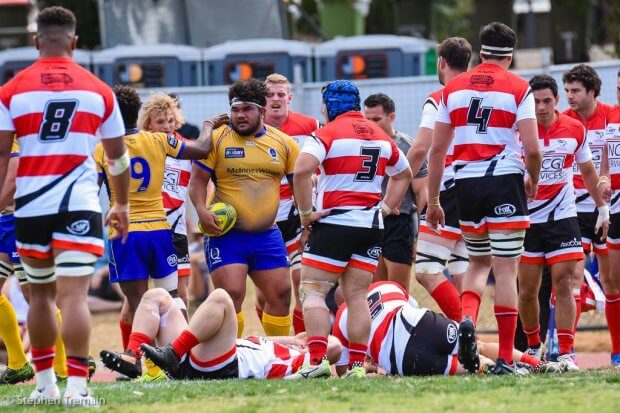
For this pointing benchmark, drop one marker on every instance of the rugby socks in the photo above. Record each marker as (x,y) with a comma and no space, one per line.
(357,354)
(125,333)
(565,341)
(298,321)
(612,313)
(276,325)
(577,297)
(533,336)
(9,332)
(240,324)
(259,313)
(470,302)
(506,326)
(184,343)
(60,360)
(77,367)
(317,347)
(447,298)
(135,341)
(43,359)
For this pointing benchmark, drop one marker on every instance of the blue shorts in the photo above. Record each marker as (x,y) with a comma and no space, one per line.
(7,237)
(145,254)
(258,250)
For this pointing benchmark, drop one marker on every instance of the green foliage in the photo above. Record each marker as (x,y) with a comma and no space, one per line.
(452,18)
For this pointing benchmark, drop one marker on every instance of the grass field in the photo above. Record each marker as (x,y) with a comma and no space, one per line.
(595,391)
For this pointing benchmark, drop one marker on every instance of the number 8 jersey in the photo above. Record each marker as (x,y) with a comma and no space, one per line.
(58,111)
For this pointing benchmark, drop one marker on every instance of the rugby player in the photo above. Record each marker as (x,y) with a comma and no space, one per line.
(437,250)
(206,348)
(480,110)
(299,127)
(582,86)
(353,155)
(247,162)
(400,231)
(58,111)
(553,237)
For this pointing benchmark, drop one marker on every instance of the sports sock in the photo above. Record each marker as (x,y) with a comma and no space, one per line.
(276,325)
(240,324)
(533,336)
(42,358)
(136,340)
(77,367)
(506,325)
(298,321)
(470,302)
(565,341)
(184,343)
(9,332)
(259,313)
(60,360)
(125,333)
(357,354)
(317,347)
(531,360)
(578,304)
(612,313)
(447,298)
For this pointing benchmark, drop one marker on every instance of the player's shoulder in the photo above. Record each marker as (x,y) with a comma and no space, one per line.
(403,140)
(277,135)
(433,98)
(614,114)
(603,109)
(572,126)
(222,136)
(306,124)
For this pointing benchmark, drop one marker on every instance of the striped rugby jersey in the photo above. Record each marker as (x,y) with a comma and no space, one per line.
(174,191)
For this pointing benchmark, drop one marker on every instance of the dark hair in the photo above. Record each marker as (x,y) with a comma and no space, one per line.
(129,103)
(56,16)
(381,99)
(540,82)
(586,75)
(252,90)
(456,51)
(497,34)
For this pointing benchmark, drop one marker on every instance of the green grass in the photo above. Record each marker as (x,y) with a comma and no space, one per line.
(589,392)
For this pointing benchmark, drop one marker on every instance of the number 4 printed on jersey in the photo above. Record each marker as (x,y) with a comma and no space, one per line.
(479,115)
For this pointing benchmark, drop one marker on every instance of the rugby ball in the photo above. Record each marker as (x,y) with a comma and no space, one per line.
(226,215)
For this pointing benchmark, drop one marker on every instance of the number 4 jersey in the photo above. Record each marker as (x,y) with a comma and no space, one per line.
(58,111)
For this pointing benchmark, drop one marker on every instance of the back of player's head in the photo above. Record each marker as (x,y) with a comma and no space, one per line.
(497,41)
(540,82)
(586,75)
(277,79)
(381,99)
(56,17)
(250,91)
(129,104)
(456,51)
(340,96)
(160,102)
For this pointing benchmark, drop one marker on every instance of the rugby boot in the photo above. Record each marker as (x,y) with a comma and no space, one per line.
(125,363)
(468,346)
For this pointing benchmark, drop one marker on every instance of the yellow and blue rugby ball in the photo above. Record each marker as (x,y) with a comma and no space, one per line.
(226,216)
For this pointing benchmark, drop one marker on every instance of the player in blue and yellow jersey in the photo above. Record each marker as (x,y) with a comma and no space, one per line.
(247,162)
(148,250)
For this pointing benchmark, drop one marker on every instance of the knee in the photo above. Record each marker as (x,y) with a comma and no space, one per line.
(220,296)
(528,292)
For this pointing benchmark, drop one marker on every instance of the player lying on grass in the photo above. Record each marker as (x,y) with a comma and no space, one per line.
(207,347)
(406,340)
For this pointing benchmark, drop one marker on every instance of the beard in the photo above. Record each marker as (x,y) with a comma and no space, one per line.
(250,130)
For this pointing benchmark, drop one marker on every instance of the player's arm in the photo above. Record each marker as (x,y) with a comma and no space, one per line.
(396,188)
(198,183)
(416,155)
(419,186)
(8,190)
(201,147)
(6,143)
(591,181)
(604,182)
(532,154)
(302,187)
(118,167)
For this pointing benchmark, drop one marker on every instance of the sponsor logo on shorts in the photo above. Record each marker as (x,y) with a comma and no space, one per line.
(572,243)
(452,333)
(234,153)
(172,260)
(15,255)
(374,252)
(80,227)
(183,260)
(214,255)
(505,210)
(172,141)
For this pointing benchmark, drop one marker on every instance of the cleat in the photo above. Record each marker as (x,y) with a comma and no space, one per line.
(49,394)
(549,367)
(60,379)
(125,363)
(82,398)
(163,357)
(615,360)
(468,346)
(502,368)
(535,351)
(569,364)
(308,371)
(92,366)
(10,376)
(356,372)
(147,378)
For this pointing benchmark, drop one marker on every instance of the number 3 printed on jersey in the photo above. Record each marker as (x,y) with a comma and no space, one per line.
(479,115)
(57,119)
(370,164)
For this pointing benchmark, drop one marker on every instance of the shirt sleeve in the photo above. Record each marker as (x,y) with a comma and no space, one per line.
(399,165)
(443,114)
(315,147)
(293,153)
(527,109)
(429,115)
(112,126)
(99,159)
(6,122)
(583,153)
(173,146)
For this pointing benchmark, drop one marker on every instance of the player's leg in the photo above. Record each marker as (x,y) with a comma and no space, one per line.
(259,304)
(183,267)
(491,352)
(612,289)
(397,248)
(298,315)
(530,276)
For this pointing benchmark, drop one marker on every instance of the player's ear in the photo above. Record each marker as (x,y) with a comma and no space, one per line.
(37,45)
(74,43)
(392,116)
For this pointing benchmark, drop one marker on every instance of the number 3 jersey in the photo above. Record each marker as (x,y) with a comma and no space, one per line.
(483,105)
(355,154)
(58,111)
(148,152)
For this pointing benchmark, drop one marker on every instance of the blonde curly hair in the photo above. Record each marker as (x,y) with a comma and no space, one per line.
(160,102)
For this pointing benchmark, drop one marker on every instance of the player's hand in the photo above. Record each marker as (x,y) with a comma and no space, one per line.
(602,220)
(302,240)
(435,217)
(307,221)
(209,223)
(386,210)
(531,188)
(219,120)
(606,192)
(118,220)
